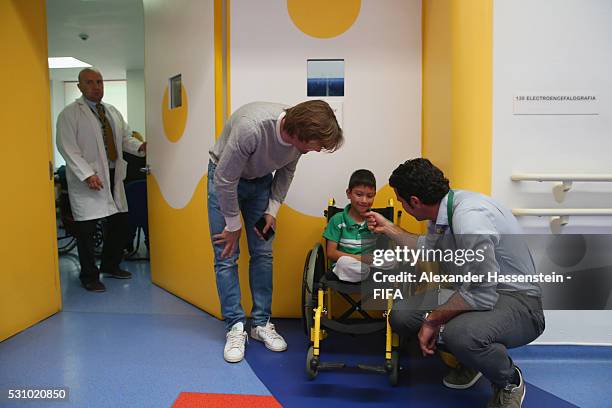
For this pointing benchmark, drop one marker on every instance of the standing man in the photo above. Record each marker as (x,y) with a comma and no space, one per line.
(258,139)
(480,320)
(91,136)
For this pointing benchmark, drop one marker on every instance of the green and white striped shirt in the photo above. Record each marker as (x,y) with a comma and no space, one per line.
(352,237)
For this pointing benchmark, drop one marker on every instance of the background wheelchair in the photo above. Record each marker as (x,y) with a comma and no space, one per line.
(319,284)
(66,240)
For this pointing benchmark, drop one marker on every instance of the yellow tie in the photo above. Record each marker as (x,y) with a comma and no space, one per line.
(107,130)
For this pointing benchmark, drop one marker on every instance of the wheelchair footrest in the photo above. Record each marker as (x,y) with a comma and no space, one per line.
(376,369)
(330,366)
(354,328)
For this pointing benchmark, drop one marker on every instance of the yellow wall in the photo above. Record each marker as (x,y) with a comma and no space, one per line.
(437,83)
(457,90)
(30,289)
(182,257)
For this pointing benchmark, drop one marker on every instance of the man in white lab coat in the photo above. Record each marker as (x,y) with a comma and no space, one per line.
(91,136)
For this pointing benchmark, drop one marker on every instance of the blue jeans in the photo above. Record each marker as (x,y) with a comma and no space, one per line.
(253,198)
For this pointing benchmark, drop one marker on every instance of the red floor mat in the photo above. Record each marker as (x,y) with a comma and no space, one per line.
(201,400)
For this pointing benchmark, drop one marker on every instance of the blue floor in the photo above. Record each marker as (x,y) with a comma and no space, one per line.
(134,345)
(557,377)
(137,345)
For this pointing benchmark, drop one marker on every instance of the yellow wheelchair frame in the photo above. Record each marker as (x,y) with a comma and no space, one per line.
(318,319)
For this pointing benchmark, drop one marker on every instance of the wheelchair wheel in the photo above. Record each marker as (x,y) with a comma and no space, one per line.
(65,244)
(307,306)
(314,268)
(312,363)
(99,238)
(394,368)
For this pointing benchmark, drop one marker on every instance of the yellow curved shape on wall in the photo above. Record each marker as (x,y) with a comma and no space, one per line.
(323,18)
(181,257)
(174,120)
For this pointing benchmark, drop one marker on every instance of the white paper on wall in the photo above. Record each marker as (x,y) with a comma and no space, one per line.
(557,103)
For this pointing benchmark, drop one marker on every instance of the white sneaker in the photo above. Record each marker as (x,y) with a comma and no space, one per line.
(234,343)
(269,336)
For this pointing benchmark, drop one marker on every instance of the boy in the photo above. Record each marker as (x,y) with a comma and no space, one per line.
(347,233)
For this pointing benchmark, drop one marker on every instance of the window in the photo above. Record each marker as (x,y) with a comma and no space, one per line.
(176,100)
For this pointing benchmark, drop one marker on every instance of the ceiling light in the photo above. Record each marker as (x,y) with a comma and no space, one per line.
(66,62)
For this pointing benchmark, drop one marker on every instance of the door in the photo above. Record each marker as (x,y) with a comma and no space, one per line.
(30,288)
(180,115)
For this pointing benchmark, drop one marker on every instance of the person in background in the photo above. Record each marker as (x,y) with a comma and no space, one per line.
(134,164)
(91,136)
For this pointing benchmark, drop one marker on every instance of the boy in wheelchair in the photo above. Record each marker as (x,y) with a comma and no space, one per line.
(349,244)
(347,233)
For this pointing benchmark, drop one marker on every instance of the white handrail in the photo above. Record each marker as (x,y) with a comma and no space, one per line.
(564,181)
(559,212)
(561,177)
(559,217)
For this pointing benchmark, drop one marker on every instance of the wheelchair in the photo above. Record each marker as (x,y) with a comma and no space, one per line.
(65,223)
(319,284)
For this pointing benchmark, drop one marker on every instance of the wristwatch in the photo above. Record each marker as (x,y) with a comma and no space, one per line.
(431,322)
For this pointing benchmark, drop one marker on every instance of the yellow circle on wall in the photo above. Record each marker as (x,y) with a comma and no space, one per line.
(175,119)
(323,18)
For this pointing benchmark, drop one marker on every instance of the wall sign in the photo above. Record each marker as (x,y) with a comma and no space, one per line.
(325,77)
(561,103)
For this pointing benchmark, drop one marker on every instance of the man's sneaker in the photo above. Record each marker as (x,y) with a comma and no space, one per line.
(269,336)
(461,378)
(233,351)
(511,396)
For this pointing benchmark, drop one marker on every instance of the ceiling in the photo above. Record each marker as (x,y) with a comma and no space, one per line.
(116,35)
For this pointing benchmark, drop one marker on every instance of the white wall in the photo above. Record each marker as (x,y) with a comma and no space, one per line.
(115,93)
(136,99)
(553,46)
(559,46)
(382,102)
(57,104)
(179,40)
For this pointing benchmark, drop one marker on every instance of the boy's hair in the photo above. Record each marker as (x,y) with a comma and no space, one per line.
(362,177)
(419,178)
(314,120)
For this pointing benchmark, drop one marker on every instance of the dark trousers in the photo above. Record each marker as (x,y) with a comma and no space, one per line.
(115,231)
(479,339)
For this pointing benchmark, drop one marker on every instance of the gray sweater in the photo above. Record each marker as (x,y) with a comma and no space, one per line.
(249,147)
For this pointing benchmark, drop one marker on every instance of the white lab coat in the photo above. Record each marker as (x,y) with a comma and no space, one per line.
(80,141)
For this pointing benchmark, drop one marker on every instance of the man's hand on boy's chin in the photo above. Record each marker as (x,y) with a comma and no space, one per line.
(376,222)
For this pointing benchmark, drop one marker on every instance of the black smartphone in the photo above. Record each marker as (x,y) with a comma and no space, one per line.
(260,224)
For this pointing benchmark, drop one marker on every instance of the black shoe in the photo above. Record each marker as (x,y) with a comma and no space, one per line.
(95,286)
(119,274)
